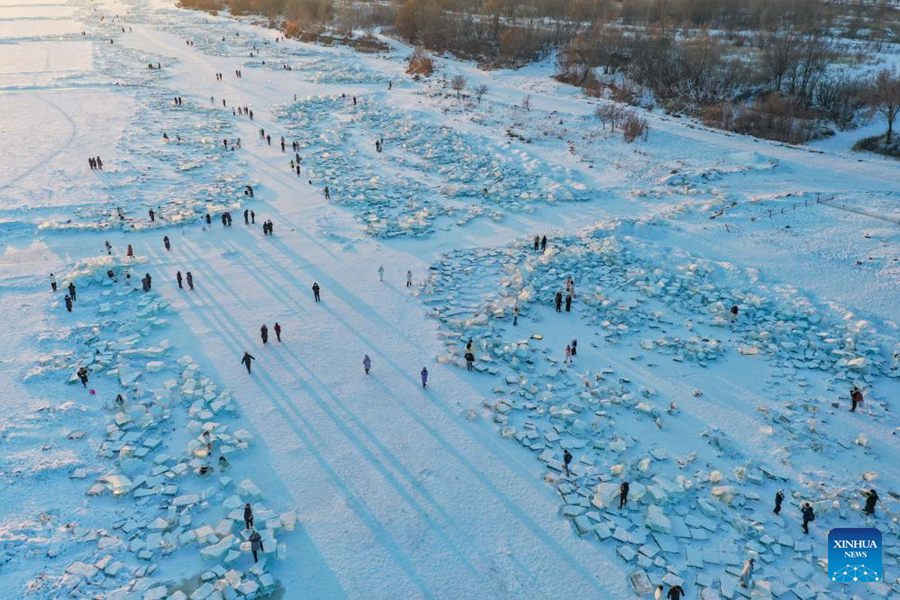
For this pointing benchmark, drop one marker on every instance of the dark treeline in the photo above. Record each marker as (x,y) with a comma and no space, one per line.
(763,67)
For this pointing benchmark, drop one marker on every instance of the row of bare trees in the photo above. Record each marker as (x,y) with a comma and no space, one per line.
(781,85)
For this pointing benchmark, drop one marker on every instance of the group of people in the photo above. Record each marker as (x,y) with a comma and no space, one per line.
(264,332)
(187,277)
(70,297)
(95,163)
(255,539)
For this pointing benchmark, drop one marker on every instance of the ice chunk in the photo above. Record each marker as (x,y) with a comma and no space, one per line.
(657,521)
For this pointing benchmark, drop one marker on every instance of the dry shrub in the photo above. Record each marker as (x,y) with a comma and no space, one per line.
(420,63)
(292,29)
(720,116)
(633,127)
(777,117)
(212,6)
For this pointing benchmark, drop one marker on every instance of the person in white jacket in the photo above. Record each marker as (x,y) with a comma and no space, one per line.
(747,573)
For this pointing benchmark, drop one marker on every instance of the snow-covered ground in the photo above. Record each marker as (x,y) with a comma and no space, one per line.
(369,486)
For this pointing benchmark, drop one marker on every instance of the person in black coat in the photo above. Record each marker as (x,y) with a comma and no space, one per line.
(779,498)
(871,500)
(190,280)
(248,516)
(166,242)
(568,302)
(264,333)
(808,516)
(675,593)
(623,494)
(82,375)
(72,292)
(558,301)
(567,460)
(256,545)
(178,279)
(315,289)
(246,360)
(68,301)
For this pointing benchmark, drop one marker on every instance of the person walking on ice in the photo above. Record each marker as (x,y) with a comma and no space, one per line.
(264,334)
(166,242)
(82,375)
(808,516)
(256,545)
(277,331)
(409,278)
(567,460)
(68,301)
(746,573)
(315,289)
(246,361)
(248,517)
(779,498)
(424,375)
(178,279)
(675,593)
(623,494)
(52,282)
(871,501)
(381,273)
(856,398)
(190,280)
(367,363)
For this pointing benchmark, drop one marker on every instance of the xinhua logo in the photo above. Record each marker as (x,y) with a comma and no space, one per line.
(854,555)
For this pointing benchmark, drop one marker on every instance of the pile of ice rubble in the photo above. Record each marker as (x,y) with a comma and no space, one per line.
(181,178)
(699,505)
(435,171)
(157,461)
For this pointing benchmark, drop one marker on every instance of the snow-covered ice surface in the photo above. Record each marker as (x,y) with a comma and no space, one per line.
(369,486)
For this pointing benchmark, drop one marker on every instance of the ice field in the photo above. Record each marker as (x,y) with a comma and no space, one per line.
(370,485)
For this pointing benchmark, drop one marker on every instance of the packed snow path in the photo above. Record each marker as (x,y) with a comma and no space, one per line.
(397,493)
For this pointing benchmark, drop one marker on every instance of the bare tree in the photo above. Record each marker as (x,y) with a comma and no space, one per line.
(609,114)
(480,90)
(458,83)
(884,97)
